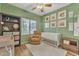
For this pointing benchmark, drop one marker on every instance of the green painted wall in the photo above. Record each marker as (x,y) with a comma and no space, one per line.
(64,31)
(0,7)
(9,9)
(0,24)
(12,10)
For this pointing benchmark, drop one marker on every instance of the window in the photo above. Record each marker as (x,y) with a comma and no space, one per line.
(32,26)
(24,26)
(27,26)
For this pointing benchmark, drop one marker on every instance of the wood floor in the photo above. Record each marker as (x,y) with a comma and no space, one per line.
(24,51)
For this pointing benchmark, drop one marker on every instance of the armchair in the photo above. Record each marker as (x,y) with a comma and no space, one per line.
(35,38)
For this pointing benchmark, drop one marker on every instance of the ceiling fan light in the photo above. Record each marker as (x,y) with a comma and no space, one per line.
(39,6)
(42,10)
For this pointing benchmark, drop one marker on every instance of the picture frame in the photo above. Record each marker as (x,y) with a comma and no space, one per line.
(76,29)
(71,13)
(62,14)
(53,17)
(53,24)
(71,26)
(47,25)
(78,18)
(47,18)
(61,23)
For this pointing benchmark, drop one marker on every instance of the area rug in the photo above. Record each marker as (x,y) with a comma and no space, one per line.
(45,50)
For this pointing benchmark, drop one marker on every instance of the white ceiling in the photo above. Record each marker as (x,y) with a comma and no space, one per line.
(29,6)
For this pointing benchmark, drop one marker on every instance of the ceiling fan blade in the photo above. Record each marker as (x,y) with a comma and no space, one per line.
(47,5)
(34,8)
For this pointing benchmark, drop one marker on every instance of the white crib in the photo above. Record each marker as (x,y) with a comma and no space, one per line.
(53,38)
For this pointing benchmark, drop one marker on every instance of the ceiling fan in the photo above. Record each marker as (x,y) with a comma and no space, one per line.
(42,6)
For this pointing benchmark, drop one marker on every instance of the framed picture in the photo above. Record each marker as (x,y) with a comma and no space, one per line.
(46,25)
(53,24)
(62,14)
(70,26)
(47,19)
(76,29)
(77,18)
(53,17)
(70,14)
(61,23)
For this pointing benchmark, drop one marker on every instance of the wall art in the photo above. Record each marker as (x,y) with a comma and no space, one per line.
(46,25)
(62,14)
(61,23)
(53,17)
(53,24)
(76,29)
(47,18)
(70,26)
(70,14)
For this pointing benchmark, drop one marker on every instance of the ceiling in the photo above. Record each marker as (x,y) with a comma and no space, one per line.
(29,6)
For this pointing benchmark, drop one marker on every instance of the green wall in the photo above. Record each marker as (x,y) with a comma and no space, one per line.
(12,10)
(0,7)
(9,9)
(0,24)
(64,31)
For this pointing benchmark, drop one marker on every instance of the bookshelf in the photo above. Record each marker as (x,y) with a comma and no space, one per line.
(11,26)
